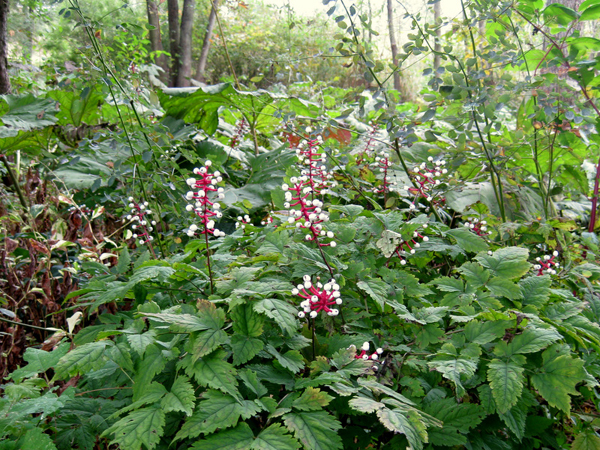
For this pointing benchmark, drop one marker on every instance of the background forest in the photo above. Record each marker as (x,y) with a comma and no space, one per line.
(237,225)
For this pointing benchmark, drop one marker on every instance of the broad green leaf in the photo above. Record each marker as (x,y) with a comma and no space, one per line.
(139,342)
(246,321)
(485,332)
(317,430)
(557,378)
(274,437)
(181,397)
(281,312)
(312,399)
(216,410)
(78,107)
(447,284)
(151,393)
(83,359)
(25,112)
(378,387)
(506,380)
(206,341)
(458,418)
(39,361)
(586,440)
(409,423)
(252,382)
(365,404)
(502,287)
(187,323)
(121,354)
(508,262)
(468,240)
(152,270)
(455,370)
(536,290)
(154,362)
(377,289)
(475,275)
(141,427)
(533,340)
(291,360)
(212,371)
(36,439)
(590,13)
(245,348)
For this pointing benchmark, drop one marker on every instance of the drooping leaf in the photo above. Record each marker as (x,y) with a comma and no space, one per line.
(506,380)
(409,423)
(39,361)
(180,398)
(141,427)
(317,430)
(557,378)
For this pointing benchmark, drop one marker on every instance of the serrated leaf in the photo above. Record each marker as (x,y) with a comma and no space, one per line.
(365,404)
(455,370)
(508,262)
(150,270)
(409,423)
(458,418)
(216,410)
(120,354)
(377,289)
(246,321)
(317,430)
(557,378)
(291,360)
(39,361)
(388,242)
(141,427)
(245,348)
(447,284)
(485,332)
(213,371)
(36,439)
(586,440)
(281,312)
(312,399)
(154,362)
(85,358)
(208,318)
(503,287)
(207,341)
(275,437)
(252,382)
(506,380)
(242,438)
(536,290)
(475,275)
(468,240)
(533,340)
(140,341)
(181,397)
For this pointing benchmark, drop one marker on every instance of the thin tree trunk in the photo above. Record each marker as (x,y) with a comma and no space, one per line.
(173,17)
(185,43)
(437,14)
(4,79)
(155,39)
(206,44)
(393,44)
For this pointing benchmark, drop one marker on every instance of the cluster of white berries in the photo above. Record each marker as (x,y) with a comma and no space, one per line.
(479,227)
(318,297)
(243,221)
(204,208)
(383,163)
(547,264)
(426,179)
(140,226)
(364,353)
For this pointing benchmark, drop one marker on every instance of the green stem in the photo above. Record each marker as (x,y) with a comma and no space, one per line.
(15,183)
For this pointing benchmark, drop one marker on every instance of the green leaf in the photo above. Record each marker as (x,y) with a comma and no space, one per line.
(246,321)
(213,371)
(557,378)
(409,423)
(533,340)
(485,332)
(317,430)
(377,289)
(468,240)
(475,275)
(154,362)
(187,323)
(152,270)
(245,348)
(508,262)
(216,410)
(455,370)
(206,341)
(458,418)
(586,440)
(141,427)
(181,397)
(536,290)
(281,312)
(312,399)
(502,287)
(447,284)
(39,361)
(25,112)
(85,358)
(120,354)
(365,404)
(241,437)
(36,439)
(590,13)
(139,342)
(252,382)
(275,437)
(506,380)
(291,360)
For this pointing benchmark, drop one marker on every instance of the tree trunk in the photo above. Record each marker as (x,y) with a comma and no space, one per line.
(155,39)
(206,44)
(437,14)
(173,16)
(393,44)
(185,43)
(4,79)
